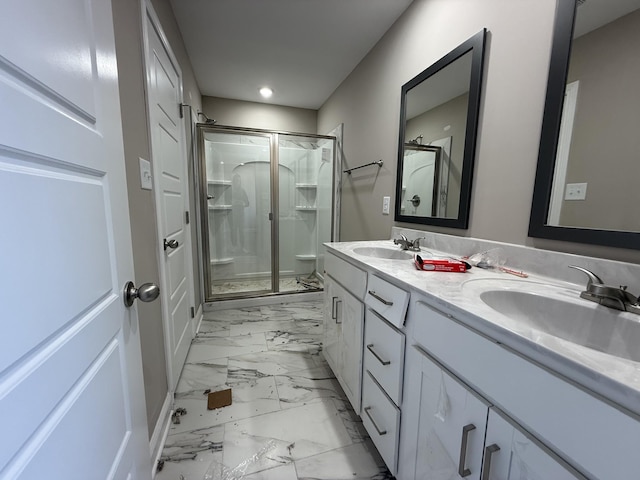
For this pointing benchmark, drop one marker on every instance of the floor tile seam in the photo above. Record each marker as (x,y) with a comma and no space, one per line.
(324,453)
(227,337)
(280,410)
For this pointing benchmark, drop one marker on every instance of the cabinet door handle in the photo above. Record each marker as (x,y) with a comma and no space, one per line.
(338,319)
(379,298)
(334,311)
(464,472)
(488,452)
(383,362)
(380,432)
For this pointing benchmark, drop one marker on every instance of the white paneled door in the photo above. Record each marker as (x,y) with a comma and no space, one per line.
(71,388)
(164,91)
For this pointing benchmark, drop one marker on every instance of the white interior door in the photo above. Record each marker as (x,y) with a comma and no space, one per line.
(71,386)
(164,91)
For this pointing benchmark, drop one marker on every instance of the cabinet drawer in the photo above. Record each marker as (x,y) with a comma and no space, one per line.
(381,418)
(384,354)
(388,300)
(350,277)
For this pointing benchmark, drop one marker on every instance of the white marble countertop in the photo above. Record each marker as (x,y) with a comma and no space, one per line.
(614,379)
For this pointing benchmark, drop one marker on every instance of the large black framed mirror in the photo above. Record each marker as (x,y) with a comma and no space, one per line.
(439,112)
(586,182)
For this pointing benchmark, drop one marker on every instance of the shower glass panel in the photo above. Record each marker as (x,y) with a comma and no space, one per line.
(305,181)
(269,203)
(238,188)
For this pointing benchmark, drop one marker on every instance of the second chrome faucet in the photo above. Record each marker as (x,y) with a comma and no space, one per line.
(607,295)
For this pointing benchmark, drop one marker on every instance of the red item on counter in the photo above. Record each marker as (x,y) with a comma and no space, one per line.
(441,265)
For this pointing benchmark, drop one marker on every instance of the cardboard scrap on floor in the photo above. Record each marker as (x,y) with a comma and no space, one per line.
(219,399)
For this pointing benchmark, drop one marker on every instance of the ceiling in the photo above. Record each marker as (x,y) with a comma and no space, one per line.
(302,49)
(592,14)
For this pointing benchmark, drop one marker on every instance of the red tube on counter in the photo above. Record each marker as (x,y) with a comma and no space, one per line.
(441,265)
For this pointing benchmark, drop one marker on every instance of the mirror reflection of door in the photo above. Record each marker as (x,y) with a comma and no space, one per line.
(420,179)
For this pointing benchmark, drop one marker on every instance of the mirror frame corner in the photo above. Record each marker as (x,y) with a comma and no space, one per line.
(556,84)
(476,45)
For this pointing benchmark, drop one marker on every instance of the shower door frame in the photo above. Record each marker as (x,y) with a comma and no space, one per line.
(274,140)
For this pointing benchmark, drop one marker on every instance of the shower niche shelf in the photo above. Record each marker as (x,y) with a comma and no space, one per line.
(306,185)
(226,183)
(224,208)
(306,258)
(222,261)
(302,208)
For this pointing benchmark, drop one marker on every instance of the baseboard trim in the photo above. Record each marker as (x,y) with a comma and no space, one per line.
(160,432)
(198,319)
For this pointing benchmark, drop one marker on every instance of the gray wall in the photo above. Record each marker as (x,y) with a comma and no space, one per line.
(516,68)
(239,113)
(131,77)
(604,145)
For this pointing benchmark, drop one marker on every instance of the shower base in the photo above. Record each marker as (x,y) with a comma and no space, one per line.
(287,285)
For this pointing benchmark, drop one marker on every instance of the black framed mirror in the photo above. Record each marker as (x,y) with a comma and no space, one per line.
(439,112)
(585,189)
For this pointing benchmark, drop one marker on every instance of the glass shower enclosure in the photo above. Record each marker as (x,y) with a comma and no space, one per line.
(267,207)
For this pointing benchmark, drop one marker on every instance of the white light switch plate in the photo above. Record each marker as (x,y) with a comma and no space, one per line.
(145,174)
(386,201)
(575,191)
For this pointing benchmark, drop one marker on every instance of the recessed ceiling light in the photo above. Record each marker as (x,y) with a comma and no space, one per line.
(266,92)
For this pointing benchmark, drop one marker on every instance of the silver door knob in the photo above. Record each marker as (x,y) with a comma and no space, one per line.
(147,292)
(170,244)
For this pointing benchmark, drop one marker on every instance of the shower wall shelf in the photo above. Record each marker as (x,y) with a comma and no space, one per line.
(219,182)
(308,257)
(220,207)
(222,261)
(307,209)
(306,185)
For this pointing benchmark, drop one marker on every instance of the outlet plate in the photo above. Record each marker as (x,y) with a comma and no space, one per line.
(575,191)
(386,202)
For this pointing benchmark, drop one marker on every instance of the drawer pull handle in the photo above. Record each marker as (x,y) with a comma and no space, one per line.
(488,453)
(379,298)
(383,362)
(334,311)
(337,317)
(380,432)
(464,472)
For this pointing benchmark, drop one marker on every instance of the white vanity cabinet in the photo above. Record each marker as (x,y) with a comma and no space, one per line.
(459,434)
(448,419)
(554,430)
(344,325)
(511,454)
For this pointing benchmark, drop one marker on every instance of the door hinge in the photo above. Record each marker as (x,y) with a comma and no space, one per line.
(193,312)
(186,217)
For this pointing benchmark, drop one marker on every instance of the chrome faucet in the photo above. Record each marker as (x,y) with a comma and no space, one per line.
(406,244)
(607,295)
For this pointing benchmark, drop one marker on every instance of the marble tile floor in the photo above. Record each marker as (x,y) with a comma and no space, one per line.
(287,284)
(289,419)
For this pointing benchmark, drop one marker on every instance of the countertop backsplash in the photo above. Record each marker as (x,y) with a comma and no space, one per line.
(532,260)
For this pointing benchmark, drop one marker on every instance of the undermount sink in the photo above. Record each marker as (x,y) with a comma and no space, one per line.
(384,253)
(562,313)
